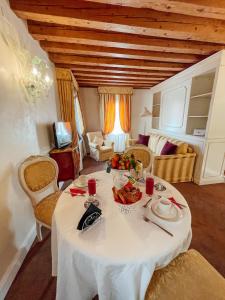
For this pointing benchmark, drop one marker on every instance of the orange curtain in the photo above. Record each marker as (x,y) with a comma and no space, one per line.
(109,101)
(125,107)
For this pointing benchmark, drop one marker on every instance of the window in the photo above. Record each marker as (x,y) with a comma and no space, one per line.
(117,127)
(78,117)
(117,135)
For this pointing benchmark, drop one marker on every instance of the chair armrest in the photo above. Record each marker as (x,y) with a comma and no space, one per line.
(95,146)
(108,143)
(132,142)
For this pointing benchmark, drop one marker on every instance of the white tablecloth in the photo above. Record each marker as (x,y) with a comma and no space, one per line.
(116,257)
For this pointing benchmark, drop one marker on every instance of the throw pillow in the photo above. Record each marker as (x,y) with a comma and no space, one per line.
(161,143)
(169,148)
(182,148)
(108,143)
(98,140)
(153,141)
(143,139)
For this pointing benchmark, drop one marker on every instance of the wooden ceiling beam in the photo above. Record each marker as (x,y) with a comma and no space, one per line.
(199,8)
(80,49)
(117,18)
(115,83)
(95,85)
(66,34)
(114,70)
(116,62)
(110,75)
(118,80)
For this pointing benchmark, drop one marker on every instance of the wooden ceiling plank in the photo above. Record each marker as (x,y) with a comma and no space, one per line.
(80,49)
(117,80)
(93,85)
(120,40)
(110,75)
(119,62)
(113,78)
(198,8)
(122,19)
(115,83)
(115,70)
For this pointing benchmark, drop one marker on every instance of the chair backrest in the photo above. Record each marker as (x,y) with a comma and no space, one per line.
(143,154)
(91,135)
(37,174)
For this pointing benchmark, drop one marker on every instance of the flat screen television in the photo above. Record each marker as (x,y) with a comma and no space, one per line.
(62,134)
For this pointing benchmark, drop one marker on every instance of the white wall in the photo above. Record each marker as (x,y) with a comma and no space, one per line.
(140,99)
(90,101)
(24,130)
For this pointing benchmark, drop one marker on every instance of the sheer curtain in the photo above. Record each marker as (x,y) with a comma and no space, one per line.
(80,129)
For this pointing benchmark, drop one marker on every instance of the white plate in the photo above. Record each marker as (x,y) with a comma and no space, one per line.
(77,183)
(175,214)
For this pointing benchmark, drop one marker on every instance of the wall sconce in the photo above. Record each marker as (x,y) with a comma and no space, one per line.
(33,73)
(36,78)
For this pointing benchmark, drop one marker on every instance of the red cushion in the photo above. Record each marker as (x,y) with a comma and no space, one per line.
(169,148)
(143,139)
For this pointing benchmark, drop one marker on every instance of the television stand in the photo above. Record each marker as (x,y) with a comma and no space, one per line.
(68,161)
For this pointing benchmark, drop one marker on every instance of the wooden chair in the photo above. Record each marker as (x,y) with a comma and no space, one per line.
(38,177)
(143,154)
(187,277)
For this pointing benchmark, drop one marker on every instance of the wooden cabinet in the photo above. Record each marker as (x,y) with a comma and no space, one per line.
(156,110)
(174,108)
(68,162)
(195,99)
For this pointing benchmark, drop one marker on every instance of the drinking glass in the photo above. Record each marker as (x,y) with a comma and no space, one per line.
(92,187)
(149,185)
(92,193)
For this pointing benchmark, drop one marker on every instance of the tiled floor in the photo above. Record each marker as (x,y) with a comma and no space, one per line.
(207,204)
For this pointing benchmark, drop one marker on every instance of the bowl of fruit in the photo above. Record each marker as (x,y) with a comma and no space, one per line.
(122,162)
(127,197)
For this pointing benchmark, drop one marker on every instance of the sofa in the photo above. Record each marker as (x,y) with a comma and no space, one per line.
(178,167)
(100,149)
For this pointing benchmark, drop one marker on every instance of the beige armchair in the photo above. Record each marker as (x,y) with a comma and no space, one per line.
(38,177)
(100,149)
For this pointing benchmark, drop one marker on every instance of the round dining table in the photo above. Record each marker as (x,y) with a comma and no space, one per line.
(116,257)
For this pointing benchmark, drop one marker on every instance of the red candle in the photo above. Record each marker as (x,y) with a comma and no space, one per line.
(92,187)
(149,185)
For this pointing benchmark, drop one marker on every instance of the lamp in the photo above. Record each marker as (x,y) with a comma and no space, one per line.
(32,72)
(36,78)
(145,114)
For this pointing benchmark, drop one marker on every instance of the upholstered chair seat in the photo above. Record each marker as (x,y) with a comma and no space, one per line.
(38,177)
(188,277)
(44,209)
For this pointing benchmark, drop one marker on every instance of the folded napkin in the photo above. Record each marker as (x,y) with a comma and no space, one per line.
(76,192)
(175,202)
(89,217)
